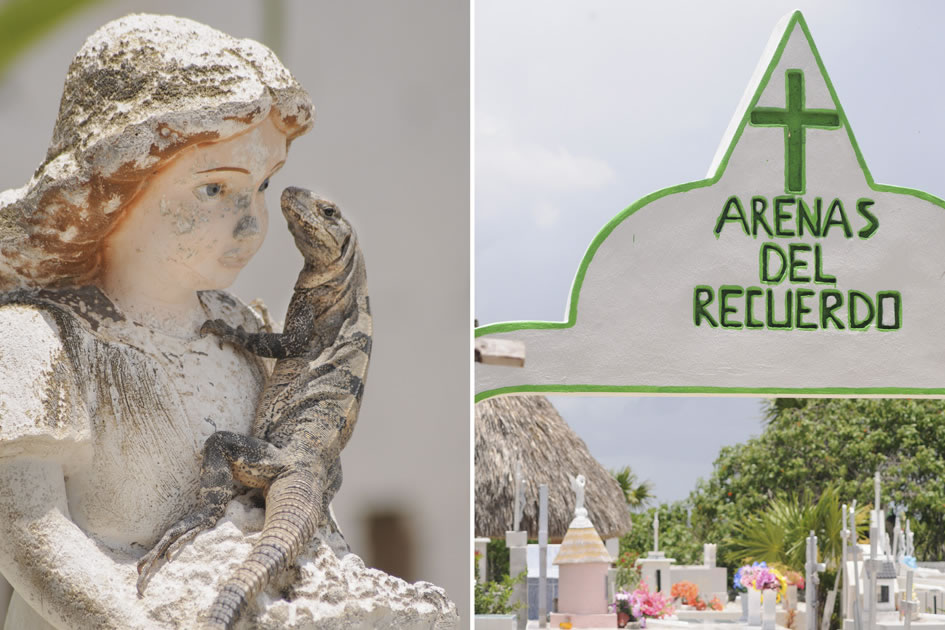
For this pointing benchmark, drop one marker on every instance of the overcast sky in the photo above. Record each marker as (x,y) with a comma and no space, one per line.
(584,107)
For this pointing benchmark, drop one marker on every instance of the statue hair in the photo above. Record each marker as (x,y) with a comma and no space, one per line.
(140,90)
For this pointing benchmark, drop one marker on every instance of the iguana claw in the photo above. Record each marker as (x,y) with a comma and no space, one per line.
(174,538)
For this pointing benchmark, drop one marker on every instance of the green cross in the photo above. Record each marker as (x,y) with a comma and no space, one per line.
(794,119)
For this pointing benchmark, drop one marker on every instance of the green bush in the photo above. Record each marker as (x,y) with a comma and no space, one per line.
(497,560)
(811,444)
(492,598)
(676,537)
(628,574)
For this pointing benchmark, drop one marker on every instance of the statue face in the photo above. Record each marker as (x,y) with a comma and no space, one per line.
(200,219)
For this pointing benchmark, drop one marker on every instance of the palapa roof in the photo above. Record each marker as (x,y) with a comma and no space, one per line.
(529,428)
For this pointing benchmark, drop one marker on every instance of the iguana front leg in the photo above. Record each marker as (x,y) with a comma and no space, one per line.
(294,342)
(264,344)
(299,338)
(227,458)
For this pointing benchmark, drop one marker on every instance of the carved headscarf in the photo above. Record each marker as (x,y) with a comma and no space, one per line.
(140,89)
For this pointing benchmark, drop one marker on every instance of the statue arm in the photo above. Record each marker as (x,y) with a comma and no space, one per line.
(50,562)
(42,411)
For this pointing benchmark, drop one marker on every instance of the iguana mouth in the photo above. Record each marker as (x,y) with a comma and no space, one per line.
(291,203)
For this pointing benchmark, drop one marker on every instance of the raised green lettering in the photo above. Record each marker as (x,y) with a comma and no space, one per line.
(819,276)
(855,322)
(750,321)
(836,207)
(766,276)
(802,309)
(782,216)
(826,310)
(862,206)
(796,265)
(758,207)
(702,296)
(726,291)
(726,217)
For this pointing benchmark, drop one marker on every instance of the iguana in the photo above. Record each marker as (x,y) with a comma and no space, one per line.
(305,415)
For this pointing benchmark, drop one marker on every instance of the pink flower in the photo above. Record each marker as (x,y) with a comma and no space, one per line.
(643,603)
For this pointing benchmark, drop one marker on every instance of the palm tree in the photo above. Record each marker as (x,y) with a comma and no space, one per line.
(779,534)
(638,494)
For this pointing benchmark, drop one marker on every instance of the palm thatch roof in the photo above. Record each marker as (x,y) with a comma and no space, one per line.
(528,428)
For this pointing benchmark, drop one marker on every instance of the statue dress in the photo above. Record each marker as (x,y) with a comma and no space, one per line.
(117,412)
(128,438)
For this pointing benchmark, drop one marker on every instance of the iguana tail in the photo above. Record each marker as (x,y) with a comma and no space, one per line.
(292,506)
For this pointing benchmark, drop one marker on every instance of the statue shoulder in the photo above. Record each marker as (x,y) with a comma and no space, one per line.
(226,306)
(40,398)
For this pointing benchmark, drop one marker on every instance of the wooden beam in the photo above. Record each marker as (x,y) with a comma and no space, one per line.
(500,352)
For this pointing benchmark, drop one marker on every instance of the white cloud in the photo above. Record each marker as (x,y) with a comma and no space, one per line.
(546,214)
(502,161)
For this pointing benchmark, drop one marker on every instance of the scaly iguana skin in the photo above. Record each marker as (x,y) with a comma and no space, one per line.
(306,412)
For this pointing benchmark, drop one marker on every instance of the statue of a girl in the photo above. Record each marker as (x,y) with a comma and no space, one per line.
(148,204)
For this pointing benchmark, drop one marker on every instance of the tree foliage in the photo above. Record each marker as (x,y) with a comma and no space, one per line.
(833,443)
(676,537)
(638,494)
(497,560)
(24,22)
(778,535)
(495,598)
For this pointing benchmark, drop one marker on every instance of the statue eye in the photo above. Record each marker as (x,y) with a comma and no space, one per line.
(208,191)
(264,185)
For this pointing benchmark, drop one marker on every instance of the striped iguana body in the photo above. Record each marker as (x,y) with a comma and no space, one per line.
(306,413)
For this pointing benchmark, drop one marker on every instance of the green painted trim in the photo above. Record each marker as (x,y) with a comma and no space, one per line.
(729,391)
(504,327)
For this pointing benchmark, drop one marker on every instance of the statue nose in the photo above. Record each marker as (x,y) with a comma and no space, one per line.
(246,227)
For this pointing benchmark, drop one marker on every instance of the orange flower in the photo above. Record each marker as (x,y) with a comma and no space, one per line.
(687,592)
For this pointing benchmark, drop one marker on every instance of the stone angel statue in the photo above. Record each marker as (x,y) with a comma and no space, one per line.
(577,486)
(148,204)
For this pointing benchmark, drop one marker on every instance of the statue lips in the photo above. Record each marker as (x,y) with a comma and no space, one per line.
(235,259)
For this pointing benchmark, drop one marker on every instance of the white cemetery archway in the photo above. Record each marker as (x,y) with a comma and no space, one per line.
(788,271)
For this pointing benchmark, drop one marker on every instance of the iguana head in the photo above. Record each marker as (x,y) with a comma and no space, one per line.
(322,235)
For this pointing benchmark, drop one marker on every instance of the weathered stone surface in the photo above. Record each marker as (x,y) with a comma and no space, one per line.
(326,588)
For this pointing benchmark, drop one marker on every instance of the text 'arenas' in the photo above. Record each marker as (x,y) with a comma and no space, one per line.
(795,291)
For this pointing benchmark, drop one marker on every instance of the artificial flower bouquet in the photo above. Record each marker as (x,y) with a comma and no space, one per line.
(794,578)
(621,603)
(760,577)
(646,605)
(687,594)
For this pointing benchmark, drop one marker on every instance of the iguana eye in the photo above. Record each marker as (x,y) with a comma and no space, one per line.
(208,191)
(264,185)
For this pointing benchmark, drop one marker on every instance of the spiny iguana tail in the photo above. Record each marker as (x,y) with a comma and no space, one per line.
(306,412)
